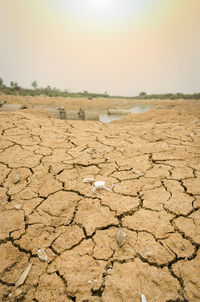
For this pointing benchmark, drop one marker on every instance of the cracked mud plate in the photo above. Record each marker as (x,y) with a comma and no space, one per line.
(153,168)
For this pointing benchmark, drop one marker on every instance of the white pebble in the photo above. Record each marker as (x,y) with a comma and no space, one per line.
(42,254)
(120,237)
(16,179)
(17,206)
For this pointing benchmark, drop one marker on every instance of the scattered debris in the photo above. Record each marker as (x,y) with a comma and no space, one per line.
(109,268)
(143,298)
(90,281)
(16,179)
(81,114)
(17,206)
(109,271)
(195,120)
(23,276)
(42,254)
(100,185)
(120,237)
(90,151)
(62,113)
(136,171)
(18,291)
(88,180)
(60,108)
(148,254)
(23,107)
(2,103)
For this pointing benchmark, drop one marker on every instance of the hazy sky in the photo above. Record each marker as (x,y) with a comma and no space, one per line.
(119,46)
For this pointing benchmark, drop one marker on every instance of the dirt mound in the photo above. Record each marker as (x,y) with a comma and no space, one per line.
(54,220)
(162,116)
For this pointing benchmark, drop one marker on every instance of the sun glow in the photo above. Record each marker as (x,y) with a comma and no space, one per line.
(101,13)
(98,9)
(101,2)
(101,7)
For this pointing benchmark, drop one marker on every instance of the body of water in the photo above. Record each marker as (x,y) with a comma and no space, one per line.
(107,118)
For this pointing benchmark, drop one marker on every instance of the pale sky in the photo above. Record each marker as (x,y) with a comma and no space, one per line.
(119,46)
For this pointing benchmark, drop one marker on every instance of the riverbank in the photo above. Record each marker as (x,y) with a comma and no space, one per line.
(98,104)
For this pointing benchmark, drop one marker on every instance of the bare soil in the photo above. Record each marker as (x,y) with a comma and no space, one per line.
(150,161)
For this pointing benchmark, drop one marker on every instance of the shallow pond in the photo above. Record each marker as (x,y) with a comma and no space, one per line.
(107,118)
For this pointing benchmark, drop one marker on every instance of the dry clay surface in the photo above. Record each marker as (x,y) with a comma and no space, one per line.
(153,170)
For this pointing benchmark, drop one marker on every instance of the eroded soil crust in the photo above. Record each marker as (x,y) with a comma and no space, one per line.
(152,166)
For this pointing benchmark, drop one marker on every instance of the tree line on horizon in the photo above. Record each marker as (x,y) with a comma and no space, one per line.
(15,89)
(170,96)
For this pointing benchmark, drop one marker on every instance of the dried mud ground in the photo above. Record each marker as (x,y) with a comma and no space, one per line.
(152,164)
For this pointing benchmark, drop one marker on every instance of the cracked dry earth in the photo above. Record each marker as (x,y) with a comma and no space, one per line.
(153,170)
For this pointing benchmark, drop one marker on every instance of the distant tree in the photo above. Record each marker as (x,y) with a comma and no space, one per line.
(1,82)
(34,85)
(85,91)
(142,94)
(14,85)
(48,90)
